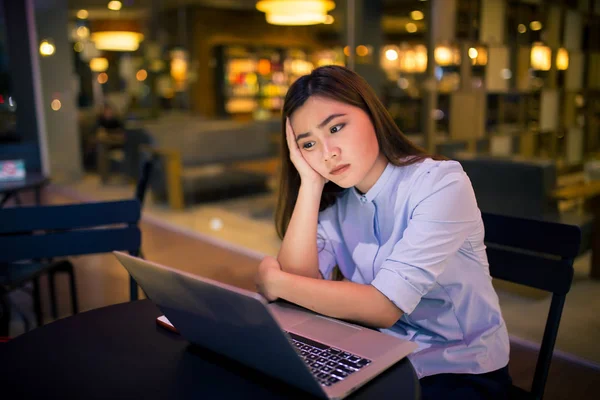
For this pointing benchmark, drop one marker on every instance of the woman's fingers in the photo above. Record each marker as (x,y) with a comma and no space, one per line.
(290,137)
(295,154)
(302,166)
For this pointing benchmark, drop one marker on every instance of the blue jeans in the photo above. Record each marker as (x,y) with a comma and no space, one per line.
(491,385)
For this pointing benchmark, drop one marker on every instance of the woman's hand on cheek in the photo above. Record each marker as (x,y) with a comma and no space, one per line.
(307,173)
(267,277)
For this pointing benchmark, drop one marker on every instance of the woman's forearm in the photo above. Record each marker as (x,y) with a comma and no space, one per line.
(346,300)
(298,252)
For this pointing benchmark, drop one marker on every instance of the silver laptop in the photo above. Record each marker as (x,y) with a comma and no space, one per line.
(323,356)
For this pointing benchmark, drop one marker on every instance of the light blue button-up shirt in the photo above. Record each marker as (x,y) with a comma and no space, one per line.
(417,236)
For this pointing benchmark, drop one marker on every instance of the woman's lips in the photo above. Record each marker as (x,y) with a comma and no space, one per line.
(340,170)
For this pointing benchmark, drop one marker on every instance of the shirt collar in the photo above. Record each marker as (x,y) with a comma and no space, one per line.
(377,187)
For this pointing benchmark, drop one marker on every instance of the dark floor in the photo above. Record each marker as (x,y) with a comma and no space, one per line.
(102,281)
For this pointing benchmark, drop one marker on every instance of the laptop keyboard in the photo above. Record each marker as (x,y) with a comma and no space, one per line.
(328,364)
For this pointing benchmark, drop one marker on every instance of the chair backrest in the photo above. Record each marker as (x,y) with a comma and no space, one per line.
(142,183)
(537,254)
(511,186)
(28,233)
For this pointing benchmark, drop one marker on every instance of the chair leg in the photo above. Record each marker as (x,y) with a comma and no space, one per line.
(4,315)
(52,290)
(74,303)
(26,323)
(37,302)
(133,289)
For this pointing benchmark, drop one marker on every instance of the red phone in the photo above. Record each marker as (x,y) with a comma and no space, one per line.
(165,323)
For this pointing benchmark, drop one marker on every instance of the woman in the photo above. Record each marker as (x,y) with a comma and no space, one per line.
(403,229)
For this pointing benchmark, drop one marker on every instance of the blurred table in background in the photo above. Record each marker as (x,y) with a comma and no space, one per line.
(104,144)
(589,193)
(9,189)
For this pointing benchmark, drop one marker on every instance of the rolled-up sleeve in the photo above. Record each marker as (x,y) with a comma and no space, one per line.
(444,213)
(325,252)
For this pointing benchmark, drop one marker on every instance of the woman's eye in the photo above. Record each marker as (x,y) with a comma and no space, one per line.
(308,145)
(336,128)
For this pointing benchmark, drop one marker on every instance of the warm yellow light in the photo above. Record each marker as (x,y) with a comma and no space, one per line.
(55,104)
(522,28)
(416,15)
(478,56)
(102,77)
(78,47)
(391,54)
(98,64)
(46,48)
(411,27)
(389,57)
(117,40)
(420,58)
(83,32)
(362,50)
(295,12)
(541,57)
(264,66)
(82,14)
(141,75)
(347,51)
(443,55)
(179,69)
(413,59)
(114,5)
(562,59)
(251,80)
(535,25)
(329,20)
(408,63)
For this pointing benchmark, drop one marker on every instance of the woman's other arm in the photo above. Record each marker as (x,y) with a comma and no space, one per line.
(298,252)
(345,300)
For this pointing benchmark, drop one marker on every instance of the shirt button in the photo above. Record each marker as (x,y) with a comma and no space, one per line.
(363,199)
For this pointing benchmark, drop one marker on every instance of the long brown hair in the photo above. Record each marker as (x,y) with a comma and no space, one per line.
(345,86)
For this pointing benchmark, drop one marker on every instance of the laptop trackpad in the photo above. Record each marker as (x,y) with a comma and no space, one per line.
(325,330)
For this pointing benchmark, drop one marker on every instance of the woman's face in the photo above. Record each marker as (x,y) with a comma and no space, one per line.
(338,141)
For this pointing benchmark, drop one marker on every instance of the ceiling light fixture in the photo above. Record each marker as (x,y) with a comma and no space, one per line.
(117,40)
(417,15)
(114,5)
(295,12)
(535,25)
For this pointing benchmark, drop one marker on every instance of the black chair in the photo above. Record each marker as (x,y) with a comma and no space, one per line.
(65,266)
(522,188)
(35,233)
(538,254)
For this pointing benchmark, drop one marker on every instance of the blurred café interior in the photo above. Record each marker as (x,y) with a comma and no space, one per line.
(90,89)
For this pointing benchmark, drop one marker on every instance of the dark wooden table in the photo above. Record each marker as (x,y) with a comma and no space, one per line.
(33,181)
(119,352)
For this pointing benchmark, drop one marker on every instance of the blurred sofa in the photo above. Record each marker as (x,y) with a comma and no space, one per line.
(196,157)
